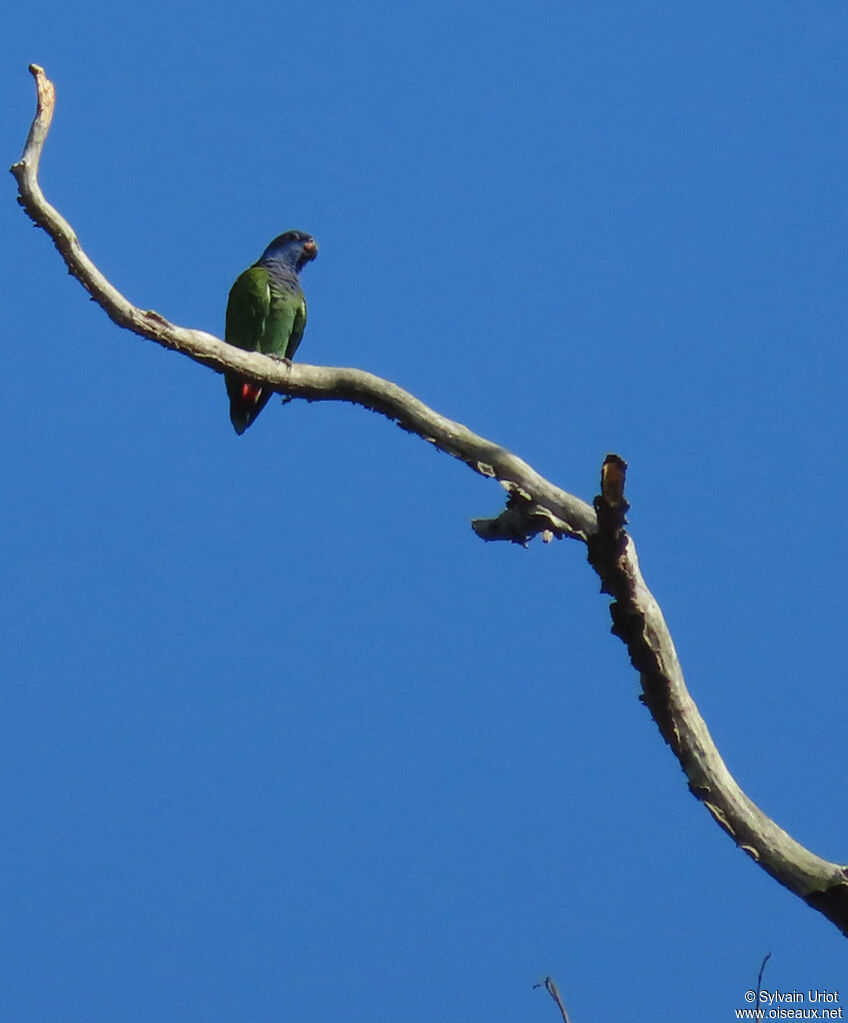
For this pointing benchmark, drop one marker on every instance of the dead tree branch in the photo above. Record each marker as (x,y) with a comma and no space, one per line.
(549,984)
(535,506)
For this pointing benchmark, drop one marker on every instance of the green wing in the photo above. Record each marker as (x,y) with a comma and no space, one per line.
(262,317)
(248,309)
(298,326)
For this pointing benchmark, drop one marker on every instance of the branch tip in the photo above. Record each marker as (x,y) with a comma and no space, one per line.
(550,986)
(611,505)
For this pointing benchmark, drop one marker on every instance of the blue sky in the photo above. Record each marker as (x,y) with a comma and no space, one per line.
(282,739)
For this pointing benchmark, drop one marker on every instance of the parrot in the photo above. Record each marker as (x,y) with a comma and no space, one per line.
(266,312)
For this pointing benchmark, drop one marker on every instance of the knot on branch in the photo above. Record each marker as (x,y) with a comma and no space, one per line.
(521,520)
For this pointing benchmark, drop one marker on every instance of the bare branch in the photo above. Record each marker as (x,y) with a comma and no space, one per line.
(550,986)
(315,383)
(639,623)
(535,506)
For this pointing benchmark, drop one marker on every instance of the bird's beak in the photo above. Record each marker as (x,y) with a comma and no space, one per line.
(310,248)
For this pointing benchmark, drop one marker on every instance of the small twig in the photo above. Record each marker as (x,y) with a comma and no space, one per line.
(553,991)
(760,981)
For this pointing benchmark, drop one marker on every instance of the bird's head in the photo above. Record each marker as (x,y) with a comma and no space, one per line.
(294,248)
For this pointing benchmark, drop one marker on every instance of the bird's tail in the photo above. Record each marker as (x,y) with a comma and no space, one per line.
(247,400)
